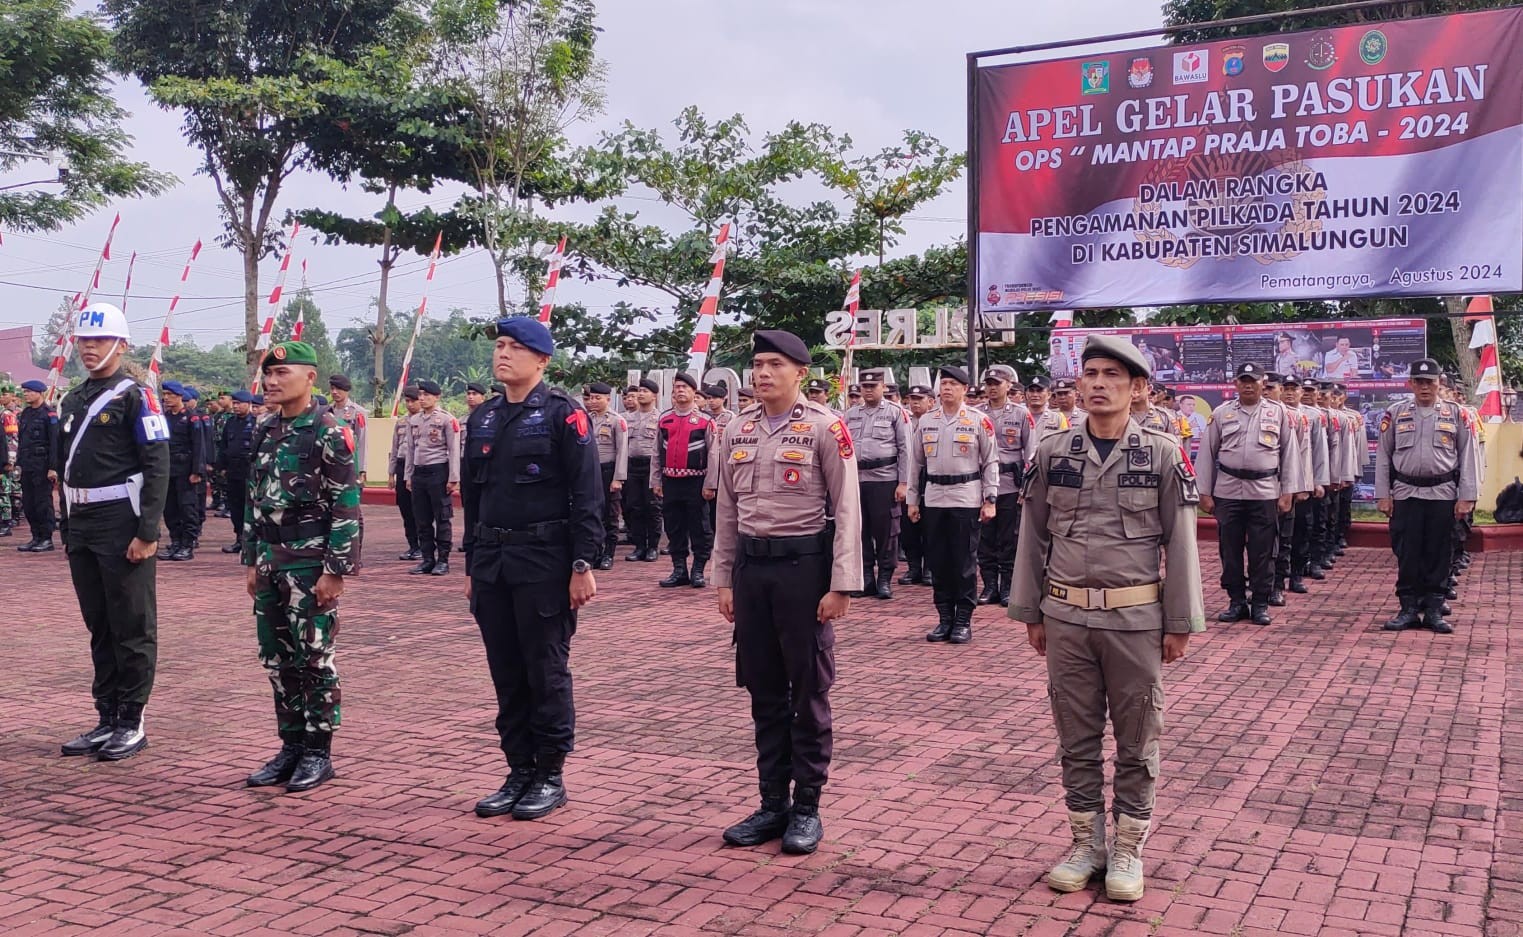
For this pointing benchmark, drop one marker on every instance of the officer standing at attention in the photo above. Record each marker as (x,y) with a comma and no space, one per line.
(1149,416)
(954,446)
(612,433)
(918,402)
(533,515)
(683,444)
(187,451)
(642,508)
(714,400)
(880,433)
(1015,435)
(397,481)
(351,413)
(785,574)
(1039,402)
(818,391)
(113,472)
(1248,472)
(301,539)
(1108,506)
(234,459)
(1426,475)
(1322,461)
(36,453)
(1065,400)
(433,476)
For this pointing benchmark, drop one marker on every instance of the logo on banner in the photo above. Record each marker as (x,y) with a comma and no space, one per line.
(1277,56)
(1192,68)
(1232,60)
(1322,54)
(1097,77)
(994,296)
(1373,47)
(1140,74)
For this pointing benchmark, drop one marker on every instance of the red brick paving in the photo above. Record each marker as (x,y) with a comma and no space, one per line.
(1320,777)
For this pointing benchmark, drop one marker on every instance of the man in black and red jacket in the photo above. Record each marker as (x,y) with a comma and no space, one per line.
(683,442)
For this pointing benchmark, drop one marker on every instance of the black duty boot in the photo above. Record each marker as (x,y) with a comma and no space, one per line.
(991,589)
(697,580)
(650,556)
(1236,610)
(943,629)
(679,576)
(43,546)
(1259,614)
(1298,585)
(128,736)
(1406,618)
(606,562)
(962,626)
(1004,587)
(412,555)
(929,580)
(885,584)
(169,550)
(1433,616)
(422,569)
(316,765)
(278,770)
(547,790)
(501,803)
(1277,597)
(1315,572)
(87,743)
(635,557)
(804,827)
(26,547)
(185,554)
(235,547)
(768,822)
(912,576)
(441,568)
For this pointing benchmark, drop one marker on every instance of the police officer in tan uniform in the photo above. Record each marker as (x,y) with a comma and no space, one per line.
(611,431)
(918,401)
(1108,504)
(1065,399)
(433,477)
(642,507)
(818,391)
(954,446)
(1015,435)
(1149,416)
(1043,415)
(1247,469)
(880,433)
(785,573)
(396,479)
(1426,475)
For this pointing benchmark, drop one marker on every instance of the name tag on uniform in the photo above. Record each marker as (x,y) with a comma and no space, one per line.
(1138,480)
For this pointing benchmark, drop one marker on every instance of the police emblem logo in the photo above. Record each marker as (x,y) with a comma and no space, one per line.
(693,419)
(1276,56)
(1373,47)
(1140,73)
(792,476)
(1232,60)
(105,418)
(748,427)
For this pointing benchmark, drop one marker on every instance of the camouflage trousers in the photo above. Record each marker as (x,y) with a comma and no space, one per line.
(10,495)
(296,648)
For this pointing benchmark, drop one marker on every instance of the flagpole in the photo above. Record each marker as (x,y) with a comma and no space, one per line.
(552,280)
(703,332)
(853,302)
(65,343)
(272,307)
(417,324)
(156,364)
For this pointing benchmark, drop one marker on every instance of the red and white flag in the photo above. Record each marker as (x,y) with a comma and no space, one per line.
(703,332)
(417,325)
(127,287)
(301,313)
(272,307)
(1062,318)
(547,299)
(65,343)
(156,364)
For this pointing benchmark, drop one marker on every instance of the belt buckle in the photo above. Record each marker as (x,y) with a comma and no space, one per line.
(83,494)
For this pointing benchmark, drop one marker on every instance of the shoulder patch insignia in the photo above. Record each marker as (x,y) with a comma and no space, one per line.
(577,420)
(1385,422)
(843,439)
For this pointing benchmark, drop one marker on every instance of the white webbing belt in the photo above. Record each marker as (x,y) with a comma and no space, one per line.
(131,489)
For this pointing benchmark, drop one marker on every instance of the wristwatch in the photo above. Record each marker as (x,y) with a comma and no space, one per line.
(990,499)
(581,566)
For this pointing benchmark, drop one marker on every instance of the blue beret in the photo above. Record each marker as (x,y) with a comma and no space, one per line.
(191,393)
(35,386)
(242,396)
(528,332)
(173,387)
(259,399)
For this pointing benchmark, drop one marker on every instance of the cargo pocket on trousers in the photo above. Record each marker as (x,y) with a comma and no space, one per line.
(554,609)
(1058,720)
(824,657)
(1150,728)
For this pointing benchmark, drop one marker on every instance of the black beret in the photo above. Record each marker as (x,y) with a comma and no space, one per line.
(598,387)
(477,388)
(429,387)
(954,372)
(787,344)
(716,390)
(685,378)
(748,392)
(500,390)
(321,400)
(631,388)
(340,382)
(410,392)
(650,385)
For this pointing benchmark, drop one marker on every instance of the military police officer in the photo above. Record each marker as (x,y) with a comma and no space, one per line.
(1426,474)
(880,431)
(235,459)
(113,472)
(533,514)
(187,452)
(1015,435)
(433,477)
(36,453)
(954,445)
(1105,503)
(612,433)
(785,573)
(301,539)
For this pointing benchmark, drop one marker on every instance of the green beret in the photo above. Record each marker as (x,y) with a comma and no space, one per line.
(289,353)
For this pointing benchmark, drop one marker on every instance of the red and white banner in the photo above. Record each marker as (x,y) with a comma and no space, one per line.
(1488,373)
(156,364)
(1371,160)
(703,332)
(417,324)
(547,299)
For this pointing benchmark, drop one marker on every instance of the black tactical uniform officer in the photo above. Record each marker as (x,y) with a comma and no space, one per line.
(234,456)
(113,470)
(187,460)
(36,451)
(533,496)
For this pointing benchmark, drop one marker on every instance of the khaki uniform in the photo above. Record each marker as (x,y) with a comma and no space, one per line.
(776,547)
(960,459)
(1157,418)
(610,431)
(1246,462)
(642,509)
(1015,437)
(1048,421)
(433,461)
(1099,533)
(881,437)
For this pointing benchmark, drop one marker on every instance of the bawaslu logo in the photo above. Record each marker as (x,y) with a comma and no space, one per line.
(1192,67)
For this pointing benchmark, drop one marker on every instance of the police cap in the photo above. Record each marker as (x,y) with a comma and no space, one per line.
(340,382)
(1426,367)
(1039,382)
(918,390)
(1250,371)
(1063,383)
(816,383)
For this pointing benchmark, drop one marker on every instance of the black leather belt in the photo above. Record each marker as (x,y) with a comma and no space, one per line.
(867,465)
(645,459)
(290,533)
(1248,474)
(1012,468)
(534,533)
(1426,481)
(787,547)
(954,479)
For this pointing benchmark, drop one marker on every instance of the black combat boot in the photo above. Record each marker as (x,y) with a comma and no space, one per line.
(991,588)
(943,629)
(962,626)
(1433,616)
(235,547)
(186,553)
(1004,587)
(27,547)
(441,568)
(278,770)
(1297,584)
(768,822)
(1406,618)
(316,765)
(422,569)
(1315,572)
(913,576)
(1277,597)
(128,736)
(1259,613)
(412,555)
(167,552)
(605,562)
(87,743)
(547,790)
(885,584)
(501,803)
(697,580)
(929,579)
(1236,610)
(804,827)
(679,576)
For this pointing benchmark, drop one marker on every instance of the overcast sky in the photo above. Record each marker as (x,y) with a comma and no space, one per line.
(870,68)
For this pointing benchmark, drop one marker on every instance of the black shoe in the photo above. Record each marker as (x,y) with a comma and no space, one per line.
(696,579)
(44,546)
(804,827)
(605,563)
(1004,589)
(314,768)
(88,743)
(5,530)
(1444,609)
(27,547)
(1236,611)
(1277,598)
(1450,594)
(422,569)
(168,551)
(184,554)
(1260,614)
(1433,617)
(679,576)
(929,579)
(635,557)
(128,738)
(441,568)
(769,822)
(1406,618)
(411,556)
(502,802)
(1315,572)
(236,547)
(943,629)
(962,627)
(546,792)
(650,556)
(278,770)
(1298,585)
(1327,562)
(885,585)
(912,577)
(991,591)
(1339,550)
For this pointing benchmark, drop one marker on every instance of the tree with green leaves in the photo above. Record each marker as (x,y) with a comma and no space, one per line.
(57,116)
(313,330)
(252,78)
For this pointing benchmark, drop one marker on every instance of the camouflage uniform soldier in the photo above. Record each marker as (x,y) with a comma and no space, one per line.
(301,538)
